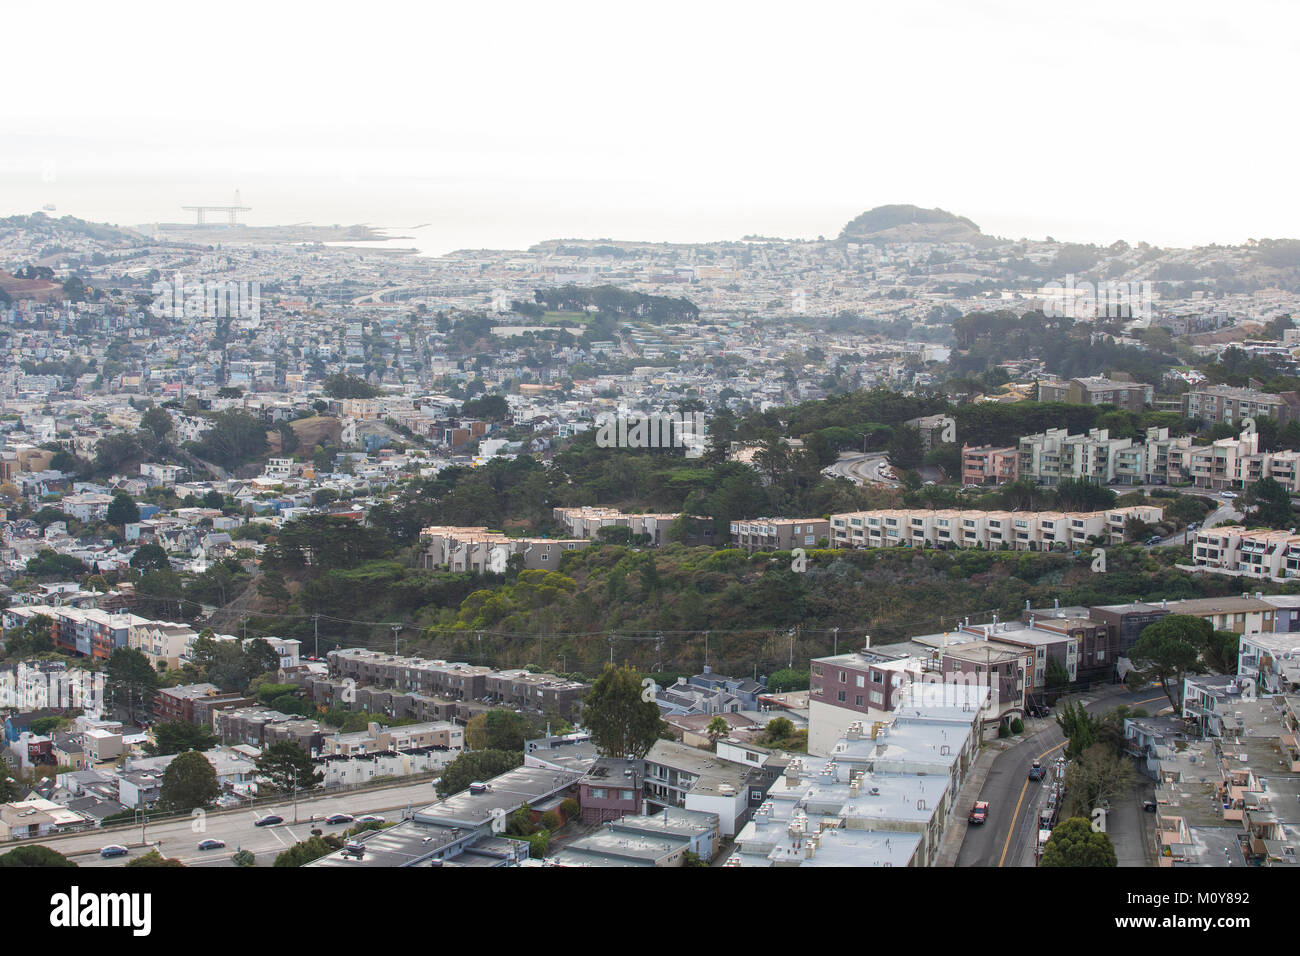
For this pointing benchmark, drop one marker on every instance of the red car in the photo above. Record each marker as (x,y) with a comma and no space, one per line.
(980,812)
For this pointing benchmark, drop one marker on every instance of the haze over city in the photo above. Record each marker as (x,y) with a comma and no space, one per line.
(1086,122)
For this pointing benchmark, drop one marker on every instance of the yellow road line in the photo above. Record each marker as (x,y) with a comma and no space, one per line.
(1016,816)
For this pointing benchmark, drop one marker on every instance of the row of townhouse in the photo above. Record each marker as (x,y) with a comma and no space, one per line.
(881,795)
(1274,555)
(957,528)
(545,693)
(484,551)
(347,694)
(779,534)
(1055,455)
(586,522)
(84,632)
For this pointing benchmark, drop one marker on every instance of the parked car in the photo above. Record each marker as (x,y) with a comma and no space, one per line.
(980,812)
(1036,772)
(211,844)
(268,821)
(370,818)
(1038,710)
(1228,494)
(1149,806)
(114,849)
(336,818)
(1154,539)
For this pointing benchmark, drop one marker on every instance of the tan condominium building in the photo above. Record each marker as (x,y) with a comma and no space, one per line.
(994,530)
(478,549)
(779,534)
(586,522)
(1254,554)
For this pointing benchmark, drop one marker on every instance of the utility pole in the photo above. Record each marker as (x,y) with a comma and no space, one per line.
(315,627)
(397,629)
(295,794)
(835,635)
(791,665)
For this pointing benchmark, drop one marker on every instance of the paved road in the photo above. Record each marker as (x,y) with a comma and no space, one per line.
(179,837)
(1009,836)
(1226,511)
(862,469)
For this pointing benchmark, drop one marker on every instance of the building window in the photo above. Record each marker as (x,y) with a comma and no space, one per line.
(840,697)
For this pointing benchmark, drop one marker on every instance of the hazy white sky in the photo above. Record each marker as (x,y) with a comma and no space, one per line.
(504,124)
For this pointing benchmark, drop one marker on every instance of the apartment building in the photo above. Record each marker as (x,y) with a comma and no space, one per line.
(81,632)
(1238,463)
(955,528)
(1055,455)
(1099,390)
(440,734)
(931,429)
(1213,404)
(859,685)
(779,534)
(477,549)
(163,642)
(587,522)
(1274,555)
(263,727)
(1245,614)
(988,464)
(1095,645)
(544,693)
(881,795)
(1271,660)
(182,702)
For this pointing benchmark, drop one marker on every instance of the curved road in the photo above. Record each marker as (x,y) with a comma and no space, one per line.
(862,469)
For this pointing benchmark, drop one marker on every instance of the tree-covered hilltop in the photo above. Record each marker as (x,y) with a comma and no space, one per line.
(885,219)
(611,300)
